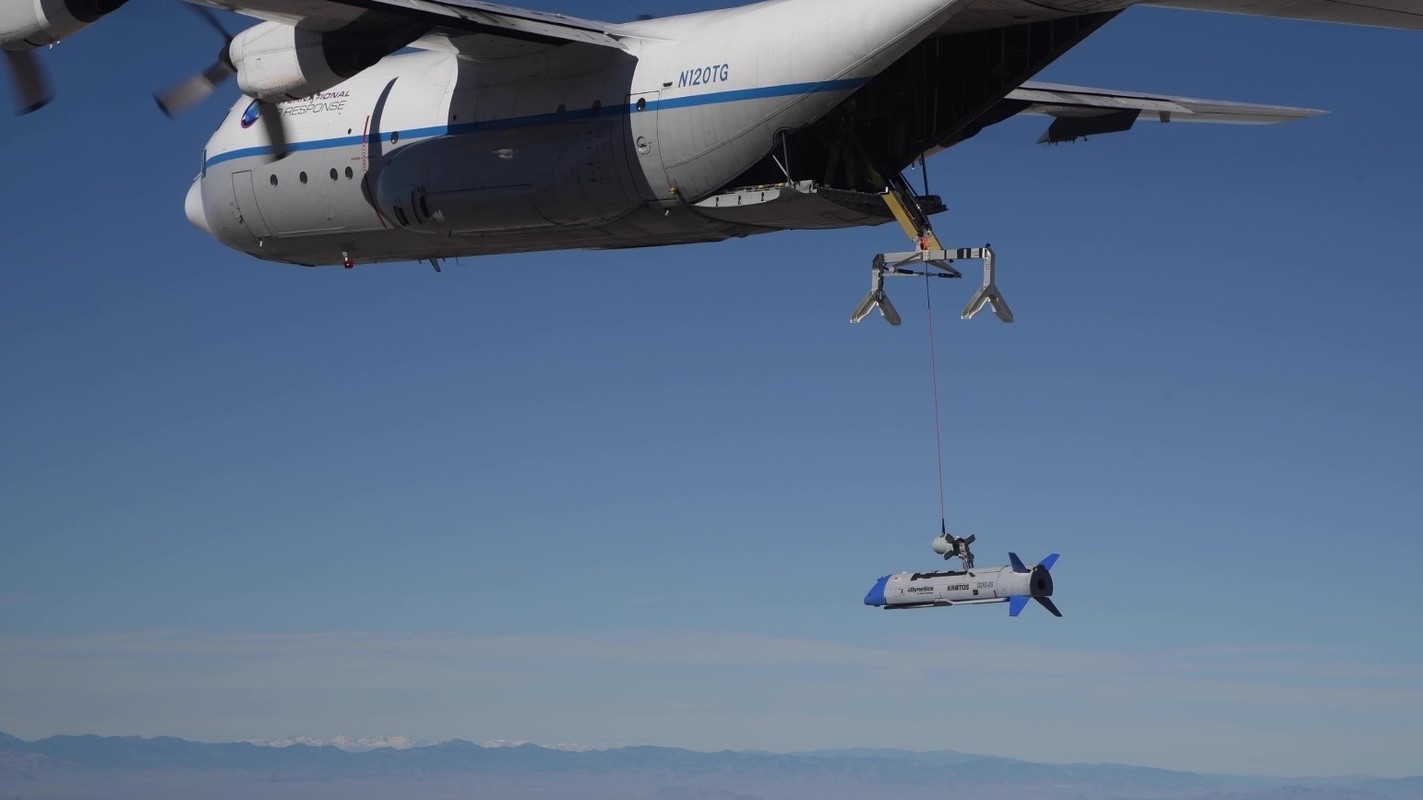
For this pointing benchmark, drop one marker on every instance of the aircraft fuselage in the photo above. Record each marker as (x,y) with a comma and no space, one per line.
(428,155)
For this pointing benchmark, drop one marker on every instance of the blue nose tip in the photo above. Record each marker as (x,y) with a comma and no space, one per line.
(876,593)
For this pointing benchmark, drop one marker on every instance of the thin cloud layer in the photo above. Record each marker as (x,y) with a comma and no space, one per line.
(715,689)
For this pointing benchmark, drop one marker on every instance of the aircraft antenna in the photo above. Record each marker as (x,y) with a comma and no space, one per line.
(934,380)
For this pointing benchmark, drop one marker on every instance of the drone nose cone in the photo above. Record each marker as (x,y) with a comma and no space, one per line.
(193,207)
(876,593)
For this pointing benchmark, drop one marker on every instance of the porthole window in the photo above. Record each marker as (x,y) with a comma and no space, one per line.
(273,180)
(349,173)
(394,137)
(642,104)
(562,109)
(597,106)
(301,177)
(333,174)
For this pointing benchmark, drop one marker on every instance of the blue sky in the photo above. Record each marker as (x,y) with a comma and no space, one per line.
(636,497)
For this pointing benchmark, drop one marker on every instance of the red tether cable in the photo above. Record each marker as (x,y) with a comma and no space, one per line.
(934,378)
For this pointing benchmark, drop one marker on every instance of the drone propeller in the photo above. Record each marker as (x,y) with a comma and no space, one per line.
(31,86)
(201,86)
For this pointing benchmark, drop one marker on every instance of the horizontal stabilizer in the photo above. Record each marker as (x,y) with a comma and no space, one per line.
(1079,111)
(1048,604)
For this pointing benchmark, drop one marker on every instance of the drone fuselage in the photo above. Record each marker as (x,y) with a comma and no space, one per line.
(957,587)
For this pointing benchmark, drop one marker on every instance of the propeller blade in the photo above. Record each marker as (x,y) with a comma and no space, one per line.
(972,537)
(211,19)
(31,87)
(199,87)
(271,117)
(1047,563)
(1046,603)
(1016,604)
(194,90)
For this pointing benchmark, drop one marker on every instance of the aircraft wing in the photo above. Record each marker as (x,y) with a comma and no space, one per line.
(1379,13)
(473,28)
(1079,111)
(987,14)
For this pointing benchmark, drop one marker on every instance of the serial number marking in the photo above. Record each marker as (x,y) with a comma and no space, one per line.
(698,76)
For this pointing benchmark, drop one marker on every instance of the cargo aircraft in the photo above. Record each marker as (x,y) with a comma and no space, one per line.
(419,130)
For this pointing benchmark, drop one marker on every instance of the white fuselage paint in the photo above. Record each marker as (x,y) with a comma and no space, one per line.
(993,584)
(427,155)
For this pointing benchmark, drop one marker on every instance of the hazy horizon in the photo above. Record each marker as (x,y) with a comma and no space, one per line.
(847,755)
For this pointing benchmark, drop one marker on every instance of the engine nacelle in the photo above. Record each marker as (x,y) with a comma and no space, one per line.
(27,24)
(277,62)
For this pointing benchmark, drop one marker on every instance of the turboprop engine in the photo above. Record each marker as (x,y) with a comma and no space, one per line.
(28,24)
(38,23)
(1014,584)
(276,62)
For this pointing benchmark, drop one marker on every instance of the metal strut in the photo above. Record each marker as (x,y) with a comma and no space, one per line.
(987,294)
(894,264)
(938,262)
(889,265)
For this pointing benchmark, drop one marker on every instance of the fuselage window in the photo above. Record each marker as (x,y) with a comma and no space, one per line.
(333,173)
(597,106)
(301,177)
(642,104)
(273,180)
(349,173)
(394,137)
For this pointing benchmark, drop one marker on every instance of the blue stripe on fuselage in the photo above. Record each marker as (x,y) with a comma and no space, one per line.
(713,98)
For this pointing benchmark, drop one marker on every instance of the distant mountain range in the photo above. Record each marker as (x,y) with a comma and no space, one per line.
(119,768)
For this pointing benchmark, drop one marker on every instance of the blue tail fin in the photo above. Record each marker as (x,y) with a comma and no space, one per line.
(1017,563)
(1016,604)
(1049,561)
